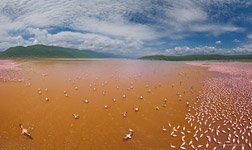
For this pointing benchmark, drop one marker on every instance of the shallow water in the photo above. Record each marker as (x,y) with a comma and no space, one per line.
(100,81)
(52,125)
(222,113)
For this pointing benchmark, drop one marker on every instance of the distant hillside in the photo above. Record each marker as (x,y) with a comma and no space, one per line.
(197,57)
(42,51)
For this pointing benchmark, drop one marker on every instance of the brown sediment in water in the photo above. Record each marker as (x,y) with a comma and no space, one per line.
(55,90)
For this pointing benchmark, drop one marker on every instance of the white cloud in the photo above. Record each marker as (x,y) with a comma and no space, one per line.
(249,36)
(106,24)
(84,41)
(236,41)
(93,42)
(119,29)
(218,42)
(186,12)
(215,29)
(185,50)
(192,16)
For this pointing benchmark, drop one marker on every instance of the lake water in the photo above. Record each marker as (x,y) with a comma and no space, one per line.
(42,95)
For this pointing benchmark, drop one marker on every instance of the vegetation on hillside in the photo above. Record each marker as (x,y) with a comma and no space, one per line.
(42,51)
(197,57)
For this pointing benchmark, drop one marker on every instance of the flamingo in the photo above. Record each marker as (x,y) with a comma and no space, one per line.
(76,116)
(173,146)
(86,101)
(125,114)
(136,109)
(128,135)
(24,131)
(106,106)
(164,129)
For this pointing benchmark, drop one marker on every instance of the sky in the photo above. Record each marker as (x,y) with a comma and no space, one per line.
(130,27)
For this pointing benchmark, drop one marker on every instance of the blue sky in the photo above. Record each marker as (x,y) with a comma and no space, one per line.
(130,27)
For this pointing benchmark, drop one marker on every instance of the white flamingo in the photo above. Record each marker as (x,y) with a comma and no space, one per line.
(128,135)
(24,131)
(76,116)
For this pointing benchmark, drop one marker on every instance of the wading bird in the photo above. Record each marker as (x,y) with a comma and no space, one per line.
(128,135)
(24,131)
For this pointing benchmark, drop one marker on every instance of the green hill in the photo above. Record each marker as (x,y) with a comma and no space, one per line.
(42,51)
(198,57)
